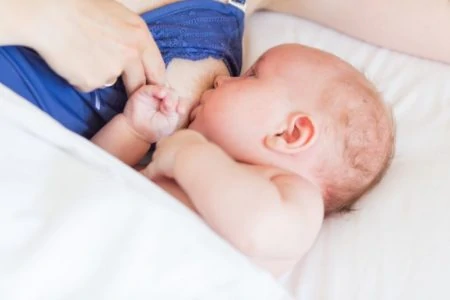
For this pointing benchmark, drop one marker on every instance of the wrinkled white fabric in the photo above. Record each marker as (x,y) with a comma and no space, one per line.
(76,223)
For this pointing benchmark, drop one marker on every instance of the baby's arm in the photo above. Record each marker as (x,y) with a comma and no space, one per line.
(188,78)
(119,139)
(151,113)
(272,219)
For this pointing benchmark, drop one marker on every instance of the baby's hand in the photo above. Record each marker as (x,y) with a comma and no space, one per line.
(164,158)
(154,112)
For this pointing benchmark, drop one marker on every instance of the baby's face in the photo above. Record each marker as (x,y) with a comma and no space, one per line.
(240,111)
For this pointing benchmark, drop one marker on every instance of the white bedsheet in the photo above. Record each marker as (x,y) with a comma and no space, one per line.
(396,245)
(76,224)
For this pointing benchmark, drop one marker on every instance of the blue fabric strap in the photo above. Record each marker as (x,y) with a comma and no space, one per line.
(198,29)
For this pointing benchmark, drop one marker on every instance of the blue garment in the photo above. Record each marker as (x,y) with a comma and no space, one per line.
(190,29)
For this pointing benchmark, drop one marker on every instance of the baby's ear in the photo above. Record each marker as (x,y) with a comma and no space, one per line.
(297,134)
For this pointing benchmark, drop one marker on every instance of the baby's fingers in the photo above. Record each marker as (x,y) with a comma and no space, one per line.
(169,105)
(151,172)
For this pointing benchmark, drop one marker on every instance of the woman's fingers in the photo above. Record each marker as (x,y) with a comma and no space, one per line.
(92,43)
(134,77)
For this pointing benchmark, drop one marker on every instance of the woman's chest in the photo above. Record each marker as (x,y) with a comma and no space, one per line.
(142,6)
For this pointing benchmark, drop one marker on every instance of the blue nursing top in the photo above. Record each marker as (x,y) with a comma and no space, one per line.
(190,29)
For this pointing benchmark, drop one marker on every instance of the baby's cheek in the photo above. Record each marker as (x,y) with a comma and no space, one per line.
(207,123)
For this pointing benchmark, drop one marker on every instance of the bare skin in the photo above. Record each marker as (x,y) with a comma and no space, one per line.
(417,27)
(58,30)
(199,175)
(248,164)
(410,27)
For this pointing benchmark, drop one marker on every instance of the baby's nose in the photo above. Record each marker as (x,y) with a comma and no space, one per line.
(219,80)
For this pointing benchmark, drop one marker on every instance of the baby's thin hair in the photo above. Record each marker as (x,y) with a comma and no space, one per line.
(364,154)
(348,207)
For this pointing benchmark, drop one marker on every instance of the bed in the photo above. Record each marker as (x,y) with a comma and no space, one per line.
(75,223)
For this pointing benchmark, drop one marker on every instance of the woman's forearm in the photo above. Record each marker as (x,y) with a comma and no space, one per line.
(417,27)
(13,22)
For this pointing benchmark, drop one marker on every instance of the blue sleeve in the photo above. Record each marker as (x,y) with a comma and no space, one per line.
(27,74)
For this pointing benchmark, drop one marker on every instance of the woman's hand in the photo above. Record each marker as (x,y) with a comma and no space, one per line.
(91,42)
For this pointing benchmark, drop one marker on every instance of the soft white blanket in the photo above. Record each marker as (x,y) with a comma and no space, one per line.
(77,224)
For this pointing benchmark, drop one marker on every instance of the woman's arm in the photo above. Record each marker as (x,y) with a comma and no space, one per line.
(191,78)
(12,21)
(417,27)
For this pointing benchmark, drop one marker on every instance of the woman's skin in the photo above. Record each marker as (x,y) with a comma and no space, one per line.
(89,43)
(417,27)
(124,46)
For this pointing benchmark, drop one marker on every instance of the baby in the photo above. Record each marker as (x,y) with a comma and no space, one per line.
(267,155)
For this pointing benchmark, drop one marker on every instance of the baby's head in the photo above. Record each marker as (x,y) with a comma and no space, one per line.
(306,111)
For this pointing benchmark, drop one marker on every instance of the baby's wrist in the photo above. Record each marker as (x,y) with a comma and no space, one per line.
(131,128)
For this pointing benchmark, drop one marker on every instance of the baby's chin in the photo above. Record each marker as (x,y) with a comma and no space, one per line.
(192,125)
